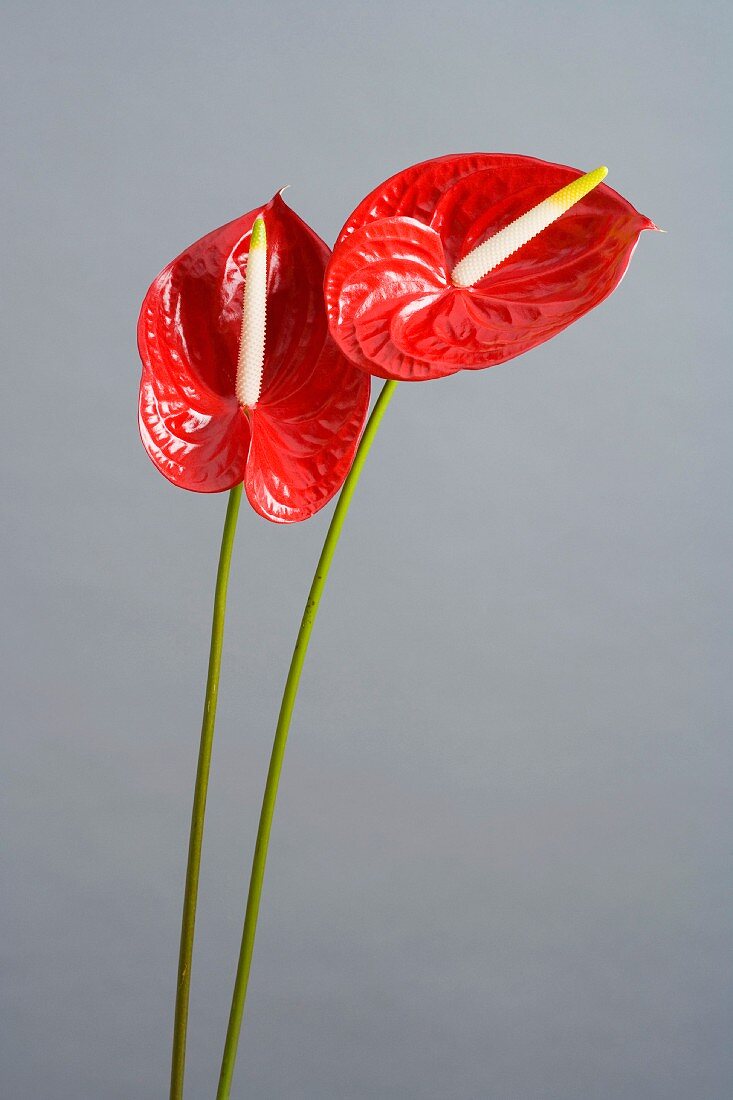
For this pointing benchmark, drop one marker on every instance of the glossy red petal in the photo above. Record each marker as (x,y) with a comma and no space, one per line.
(188,335)
(296,321)
(415,192)
(303,442)
(393,330)
(202,448)
(190,422)
(196,435)
(384,267)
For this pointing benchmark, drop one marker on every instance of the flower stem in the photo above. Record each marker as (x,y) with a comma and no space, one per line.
(281,737)
(188,923)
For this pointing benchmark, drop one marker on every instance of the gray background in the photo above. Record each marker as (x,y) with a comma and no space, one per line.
(500,865)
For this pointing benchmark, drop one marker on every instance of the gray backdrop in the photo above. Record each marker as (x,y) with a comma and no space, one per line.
(500,864)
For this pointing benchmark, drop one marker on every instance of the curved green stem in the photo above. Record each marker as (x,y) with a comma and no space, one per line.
(188,923)
(281,737)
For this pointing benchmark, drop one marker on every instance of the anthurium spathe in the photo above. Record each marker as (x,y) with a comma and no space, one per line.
(466,261)
(241,381)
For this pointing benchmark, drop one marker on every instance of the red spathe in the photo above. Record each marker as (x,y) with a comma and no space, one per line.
(294,449)
(391,305)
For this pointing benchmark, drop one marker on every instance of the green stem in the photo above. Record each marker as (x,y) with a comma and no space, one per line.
(281,737)
(188,923)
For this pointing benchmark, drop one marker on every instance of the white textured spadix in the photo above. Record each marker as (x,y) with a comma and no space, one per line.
(254,315)
(483,259)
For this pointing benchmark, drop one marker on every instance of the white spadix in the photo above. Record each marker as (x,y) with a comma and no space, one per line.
(254,315)
(485,257)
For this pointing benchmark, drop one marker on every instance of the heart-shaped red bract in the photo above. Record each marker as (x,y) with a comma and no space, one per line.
(295,447)
(391,305)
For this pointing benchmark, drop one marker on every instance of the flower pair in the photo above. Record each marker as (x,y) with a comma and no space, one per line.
(255,372)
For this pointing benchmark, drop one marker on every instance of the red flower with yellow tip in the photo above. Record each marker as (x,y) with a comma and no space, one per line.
(466,261)
(241,381)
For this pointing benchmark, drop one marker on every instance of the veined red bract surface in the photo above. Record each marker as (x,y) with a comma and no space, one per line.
(294,448)
(391,305)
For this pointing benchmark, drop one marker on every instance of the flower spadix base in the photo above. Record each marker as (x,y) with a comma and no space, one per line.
(395,310)
(294,447)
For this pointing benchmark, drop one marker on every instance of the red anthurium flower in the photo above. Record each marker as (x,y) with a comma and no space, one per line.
(466,261)
(241,381)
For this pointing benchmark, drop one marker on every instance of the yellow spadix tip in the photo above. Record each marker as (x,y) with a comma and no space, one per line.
(573,192)
(259,235)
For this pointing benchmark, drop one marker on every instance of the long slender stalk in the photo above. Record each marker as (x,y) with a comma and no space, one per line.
(281,737)
(188,922)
